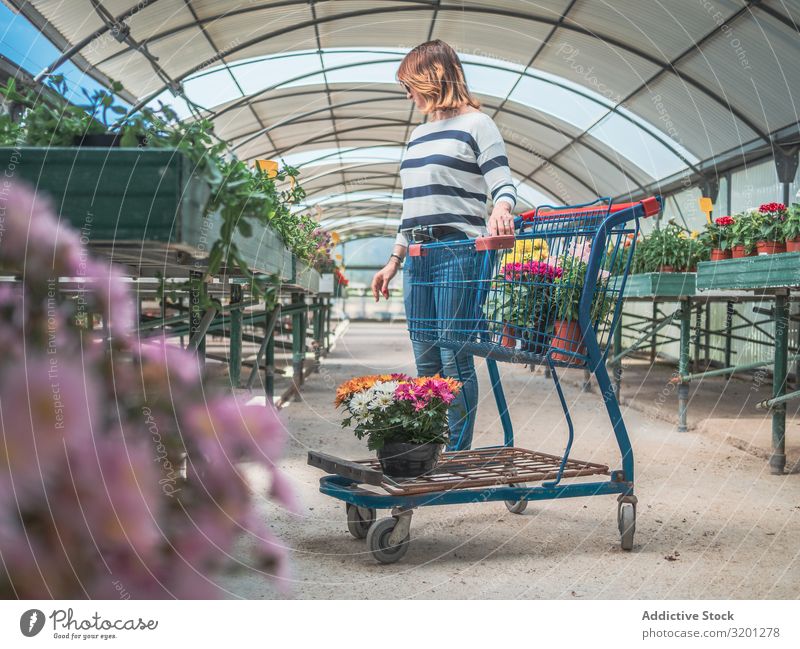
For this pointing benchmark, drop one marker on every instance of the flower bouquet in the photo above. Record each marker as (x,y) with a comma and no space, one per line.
(770,219)
(403,419)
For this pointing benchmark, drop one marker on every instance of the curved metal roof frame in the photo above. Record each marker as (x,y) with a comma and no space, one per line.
(38,10)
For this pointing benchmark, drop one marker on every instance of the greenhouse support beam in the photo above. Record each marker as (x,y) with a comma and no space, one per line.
(683,363)
(298,338)
(736,369)
(768,404)
(777,461)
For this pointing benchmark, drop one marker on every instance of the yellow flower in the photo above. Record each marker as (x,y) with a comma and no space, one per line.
(695,234)
(527,250)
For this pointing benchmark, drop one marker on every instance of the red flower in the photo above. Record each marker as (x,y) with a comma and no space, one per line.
(772,207)
(724,221)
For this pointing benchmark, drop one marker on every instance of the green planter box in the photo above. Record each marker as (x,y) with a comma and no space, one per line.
(305,277)
(140,207)
(660,285)
(763,271)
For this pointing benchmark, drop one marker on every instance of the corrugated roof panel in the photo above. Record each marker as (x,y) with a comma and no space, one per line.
(755,66)
(530,135)
(663,29)
(691,118)
(597,65)
(233,30)
(607,178)
(498,38)
(397,29)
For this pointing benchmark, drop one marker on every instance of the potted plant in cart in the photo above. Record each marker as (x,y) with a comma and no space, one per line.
(567,335)
(403,419)
(770,218)
(791,228)
(520,304)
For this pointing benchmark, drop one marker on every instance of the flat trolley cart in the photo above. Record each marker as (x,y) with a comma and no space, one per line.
(549,294)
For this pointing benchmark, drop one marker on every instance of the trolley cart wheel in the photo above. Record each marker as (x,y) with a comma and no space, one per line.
(516,506)
(626,520)
(359,520)
(380,544)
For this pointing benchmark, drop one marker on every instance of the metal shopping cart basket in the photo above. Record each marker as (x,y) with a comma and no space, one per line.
(549,294)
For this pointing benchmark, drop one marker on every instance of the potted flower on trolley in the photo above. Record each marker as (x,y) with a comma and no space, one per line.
(791,228)
(403,419)
(567,335)
(770,218)
(519,304)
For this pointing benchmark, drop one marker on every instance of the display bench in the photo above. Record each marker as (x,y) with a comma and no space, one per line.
(141,208)
(773,277)
(678,297)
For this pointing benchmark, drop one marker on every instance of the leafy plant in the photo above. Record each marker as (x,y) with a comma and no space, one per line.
(791,225)
(745,231)
(569,286)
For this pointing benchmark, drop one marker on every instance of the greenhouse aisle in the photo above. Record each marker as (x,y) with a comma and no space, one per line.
(712,522)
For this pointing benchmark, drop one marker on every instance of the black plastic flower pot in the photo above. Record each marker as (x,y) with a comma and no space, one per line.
(406,460)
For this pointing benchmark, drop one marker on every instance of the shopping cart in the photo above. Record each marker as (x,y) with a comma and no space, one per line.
(549,294)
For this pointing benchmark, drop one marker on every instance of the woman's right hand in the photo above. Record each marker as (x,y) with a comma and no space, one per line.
(380,283)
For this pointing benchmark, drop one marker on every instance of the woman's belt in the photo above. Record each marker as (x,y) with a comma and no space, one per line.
(424,233)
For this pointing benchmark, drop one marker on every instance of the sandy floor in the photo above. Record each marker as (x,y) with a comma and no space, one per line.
(713,523)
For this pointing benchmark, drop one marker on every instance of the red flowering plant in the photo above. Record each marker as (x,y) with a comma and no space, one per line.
(718,233)
(396,408)
(119,467)
(770,219)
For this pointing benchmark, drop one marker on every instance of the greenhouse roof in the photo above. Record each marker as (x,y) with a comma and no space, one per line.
(593,98)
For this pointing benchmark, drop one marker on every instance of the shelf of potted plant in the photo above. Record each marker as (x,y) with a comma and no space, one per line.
(756,272)
(160,207)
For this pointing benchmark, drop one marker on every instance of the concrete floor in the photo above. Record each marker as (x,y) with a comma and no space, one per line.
(712,523)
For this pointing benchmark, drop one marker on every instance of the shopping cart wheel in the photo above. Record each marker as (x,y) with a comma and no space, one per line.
(379,544)
(517,506)
(626,519)
(359,520)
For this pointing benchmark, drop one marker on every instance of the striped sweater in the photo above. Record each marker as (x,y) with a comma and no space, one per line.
(449,169)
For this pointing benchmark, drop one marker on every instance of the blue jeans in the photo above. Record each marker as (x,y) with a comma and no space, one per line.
(431,360)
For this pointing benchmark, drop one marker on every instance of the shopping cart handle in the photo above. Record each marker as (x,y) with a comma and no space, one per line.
(499,242)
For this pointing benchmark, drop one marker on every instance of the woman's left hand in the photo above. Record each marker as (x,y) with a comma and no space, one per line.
(502,220)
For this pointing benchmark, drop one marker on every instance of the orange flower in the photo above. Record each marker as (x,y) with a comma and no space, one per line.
(359,384)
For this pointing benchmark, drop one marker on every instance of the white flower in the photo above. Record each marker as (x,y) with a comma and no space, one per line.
(387,387)
(382,400)
(359,403)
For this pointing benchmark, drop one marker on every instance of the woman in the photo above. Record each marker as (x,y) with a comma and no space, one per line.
(452,164)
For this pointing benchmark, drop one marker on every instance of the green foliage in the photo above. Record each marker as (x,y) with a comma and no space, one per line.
(672,246)
(568,288)
(791,226)
(745,231)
